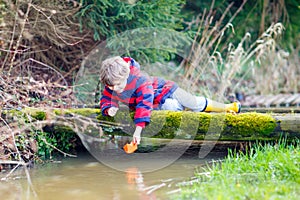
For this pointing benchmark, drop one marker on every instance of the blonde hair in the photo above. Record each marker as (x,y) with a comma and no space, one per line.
(113,69)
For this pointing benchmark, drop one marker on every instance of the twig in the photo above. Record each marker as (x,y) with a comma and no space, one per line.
(154,188)
(64,153)
(12,162)
(53,26)
(20,35)
(11,41)
(13,137)
(10,172)
(43,64)
(30,182)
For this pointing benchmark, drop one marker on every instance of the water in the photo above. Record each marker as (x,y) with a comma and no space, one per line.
(106,172)
(86,178)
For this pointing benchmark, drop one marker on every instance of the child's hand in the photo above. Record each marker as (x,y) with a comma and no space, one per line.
(112,111)
(137,135)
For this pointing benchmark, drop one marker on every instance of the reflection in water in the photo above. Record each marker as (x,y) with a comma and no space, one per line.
(86,178)
(152,154)
(135,178)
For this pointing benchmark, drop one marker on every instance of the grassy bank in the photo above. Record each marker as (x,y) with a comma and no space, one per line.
(269,171)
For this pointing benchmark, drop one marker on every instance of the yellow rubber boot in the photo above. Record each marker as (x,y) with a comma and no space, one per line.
(213,106)
(234,107)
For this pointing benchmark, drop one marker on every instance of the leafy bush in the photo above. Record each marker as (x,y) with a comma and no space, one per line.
(56,138)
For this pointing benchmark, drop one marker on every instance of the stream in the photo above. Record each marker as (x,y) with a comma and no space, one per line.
(86,177)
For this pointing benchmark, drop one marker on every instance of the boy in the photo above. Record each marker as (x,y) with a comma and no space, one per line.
(125,83)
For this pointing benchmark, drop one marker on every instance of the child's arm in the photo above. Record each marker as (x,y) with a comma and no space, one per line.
(107,103)
(137,134)
(143,110)
(144,104)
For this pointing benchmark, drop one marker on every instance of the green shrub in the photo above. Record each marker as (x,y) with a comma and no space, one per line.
(62,138)
(107,18)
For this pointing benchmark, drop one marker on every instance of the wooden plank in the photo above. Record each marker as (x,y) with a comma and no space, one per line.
(286,110)
(289,123)
(280,100)
(292,98)
(262,100)
(251,100)
(270,100)
(296,101)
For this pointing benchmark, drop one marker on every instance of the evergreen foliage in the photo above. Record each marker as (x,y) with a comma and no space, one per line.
(110,19)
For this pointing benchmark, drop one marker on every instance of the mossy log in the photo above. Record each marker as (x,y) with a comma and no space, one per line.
(282,110)
(181,125)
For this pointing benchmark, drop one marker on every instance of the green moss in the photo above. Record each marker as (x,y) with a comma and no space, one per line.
(183,125)
(249,125)
(191,125)
(87,112)
(26,115)
(169,124)
(39,115)
(163,124)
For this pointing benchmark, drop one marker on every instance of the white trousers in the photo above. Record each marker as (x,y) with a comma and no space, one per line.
(181,100)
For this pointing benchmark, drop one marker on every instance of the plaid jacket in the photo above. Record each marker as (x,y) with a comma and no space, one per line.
(142,94)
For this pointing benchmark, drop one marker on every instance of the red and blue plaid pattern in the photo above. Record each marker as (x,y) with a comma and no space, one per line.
(142,94)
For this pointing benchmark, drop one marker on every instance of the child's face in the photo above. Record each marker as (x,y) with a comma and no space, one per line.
(119,85)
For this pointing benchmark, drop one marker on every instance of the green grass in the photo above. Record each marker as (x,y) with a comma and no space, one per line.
(270,171)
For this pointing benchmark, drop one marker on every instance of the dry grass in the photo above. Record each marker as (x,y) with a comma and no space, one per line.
(279,73)
(42,30)
(34,37)
(257,67)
